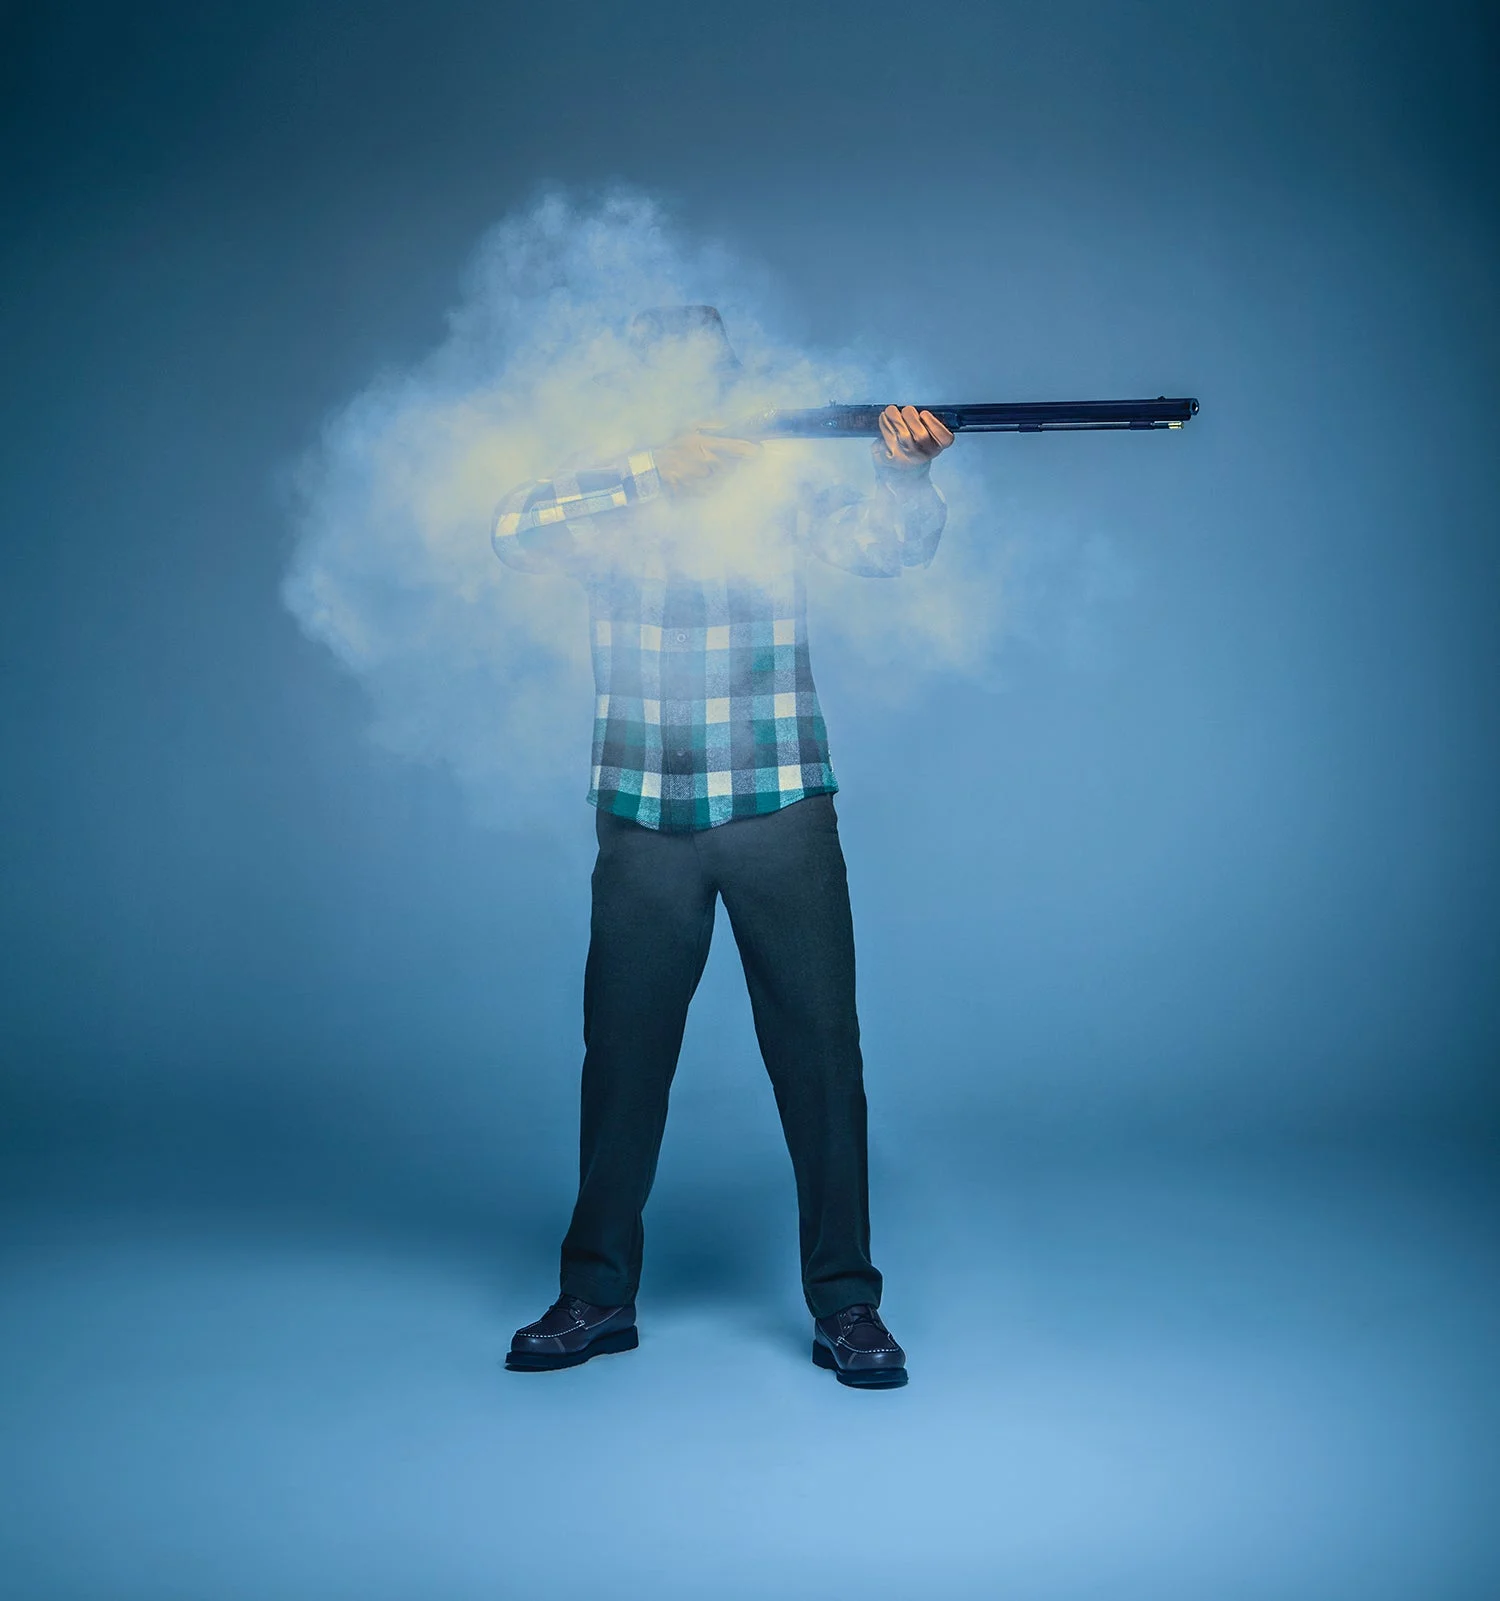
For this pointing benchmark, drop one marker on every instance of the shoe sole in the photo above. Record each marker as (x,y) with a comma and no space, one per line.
(545,1362)
(868,1379)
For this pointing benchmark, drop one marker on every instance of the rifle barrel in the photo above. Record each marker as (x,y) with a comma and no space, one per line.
(1002,417)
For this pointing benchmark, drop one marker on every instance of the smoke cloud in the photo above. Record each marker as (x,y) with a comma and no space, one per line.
(485,669)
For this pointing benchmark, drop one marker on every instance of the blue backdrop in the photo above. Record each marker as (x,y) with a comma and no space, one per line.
(1178,941)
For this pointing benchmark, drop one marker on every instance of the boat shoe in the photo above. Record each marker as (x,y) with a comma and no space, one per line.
(859,1349)
(570,1331)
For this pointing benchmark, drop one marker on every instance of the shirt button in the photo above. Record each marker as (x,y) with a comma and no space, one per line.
(681,636)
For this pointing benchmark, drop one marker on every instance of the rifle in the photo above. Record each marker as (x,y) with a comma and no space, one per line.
(1003,417)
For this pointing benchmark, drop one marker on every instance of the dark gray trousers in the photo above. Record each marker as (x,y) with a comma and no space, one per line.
(783,883)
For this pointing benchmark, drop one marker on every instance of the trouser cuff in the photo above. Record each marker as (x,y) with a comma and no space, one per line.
(823,1300)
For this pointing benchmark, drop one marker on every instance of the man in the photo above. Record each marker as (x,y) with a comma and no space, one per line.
(711,779)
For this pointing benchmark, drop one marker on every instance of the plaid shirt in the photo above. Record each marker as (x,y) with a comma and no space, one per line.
(706,709)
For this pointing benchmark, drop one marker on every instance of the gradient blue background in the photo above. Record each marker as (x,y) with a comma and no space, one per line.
(1178,950)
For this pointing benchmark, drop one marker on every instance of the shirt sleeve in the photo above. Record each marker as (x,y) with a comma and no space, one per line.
(549,524)
(875,536)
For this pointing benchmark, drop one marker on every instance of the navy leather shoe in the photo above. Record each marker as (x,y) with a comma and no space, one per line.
(570,1331)
(859,1349)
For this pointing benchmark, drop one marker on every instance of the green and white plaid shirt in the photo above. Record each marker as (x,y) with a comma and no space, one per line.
(706,709)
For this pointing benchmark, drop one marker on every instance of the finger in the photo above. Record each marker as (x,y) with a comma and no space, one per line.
(888,432)
(897,420)
(900,450)
(917,429)
(938,430)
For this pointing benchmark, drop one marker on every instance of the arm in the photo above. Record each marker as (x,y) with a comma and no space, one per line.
(875,536)
(549,524)
(556,524)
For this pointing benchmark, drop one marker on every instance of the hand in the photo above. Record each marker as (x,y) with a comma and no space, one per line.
(912,438)
(693,460)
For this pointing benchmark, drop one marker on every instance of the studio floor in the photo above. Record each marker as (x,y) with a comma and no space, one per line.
(1212,1379)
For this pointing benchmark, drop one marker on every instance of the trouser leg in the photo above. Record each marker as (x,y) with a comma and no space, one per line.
(786,891)
(652,921)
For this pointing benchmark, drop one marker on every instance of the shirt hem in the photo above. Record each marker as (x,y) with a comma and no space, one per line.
(604,801)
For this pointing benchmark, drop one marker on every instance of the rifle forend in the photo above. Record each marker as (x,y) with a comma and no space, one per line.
(1002,417)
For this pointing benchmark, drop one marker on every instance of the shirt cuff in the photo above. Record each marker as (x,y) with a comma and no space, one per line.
(641,473)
